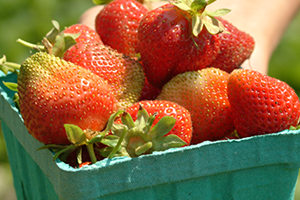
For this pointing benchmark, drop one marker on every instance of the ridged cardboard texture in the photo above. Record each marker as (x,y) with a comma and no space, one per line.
(260,167)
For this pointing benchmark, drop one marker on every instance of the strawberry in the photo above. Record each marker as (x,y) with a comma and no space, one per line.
(124,74)
(235,47)
(84,164)
(149,92)
(177,37)
(117,24)
(153,126)
(204,94)
(87,34)
(54,92)
(261,104)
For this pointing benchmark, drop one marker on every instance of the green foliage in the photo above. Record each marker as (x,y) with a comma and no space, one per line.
(31,20)
(285,62)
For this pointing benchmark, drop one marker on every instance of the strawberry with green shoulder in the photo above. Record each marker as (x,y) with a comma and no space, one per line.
(261,104)
(204,94)
(53,92)
(124,74)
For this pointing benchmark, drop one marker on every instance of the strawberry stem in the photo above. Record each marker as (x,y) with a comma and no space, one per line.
(30,45)
(90,148)
(116,148)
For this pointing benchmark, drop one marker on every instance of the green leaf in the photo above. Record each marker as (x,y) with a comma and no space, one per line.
(198,6)
(170,141)
(142,120)
(70,39)
(16,99)
(181,5)
(163,126)
(101,2)
(66,151)
(210,1)
(79,155)
(51,35)
(117,129)
(75,134)
(218,13)
(143,149)
(96,139)
(58,48)
(11,86)
(5,66)
(127,120)
(110,122)
(212,25)
(197,25)
(52,146)
(111,140)
(118,146)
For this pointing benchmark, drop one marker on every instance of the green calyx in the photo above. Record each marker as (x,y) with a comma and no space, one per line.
(140,137)
(101,2)
(79,138)
(6,66)
(55,42)
(201,17)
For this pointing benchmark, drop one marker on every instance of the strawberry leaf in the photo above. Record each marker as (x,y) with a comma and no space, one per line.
(51,35)
(212,25)
(198,6)
(110,140)
(170,141)
(101,2)
(65,152)
(143,148)
(11,86)
(127,119)
(58,48)
(163,126)
(75,134)
(218,13)
(183,4)
(79,155)
(140,137)
(197,25)
(5,66)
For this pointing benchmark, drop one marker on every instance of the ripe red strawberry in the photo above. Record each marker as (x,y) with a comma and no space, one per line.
(261,104)
(117,24)
(172,40)
(87,34)
(54,92)
(204,94)
(154,126)
(124,74)
(235,47)
(149,92)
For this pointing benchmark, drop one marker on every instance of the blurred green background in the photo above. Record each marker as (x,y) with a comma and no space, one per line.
(31,19)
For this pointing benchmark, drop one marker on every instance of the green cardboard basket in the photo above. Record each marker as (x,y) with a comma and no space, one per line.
(260,167)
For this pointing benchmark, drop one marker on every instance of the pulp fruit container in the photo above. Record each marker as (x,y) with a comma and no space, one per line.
(259,167)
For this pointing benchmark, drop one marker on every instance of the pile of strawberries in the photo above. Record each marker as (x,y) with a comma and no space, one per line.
(147,80)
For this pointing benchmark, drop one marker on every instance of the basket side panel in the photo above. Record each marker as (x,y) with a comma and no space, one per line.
(276,182)
(30,182)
